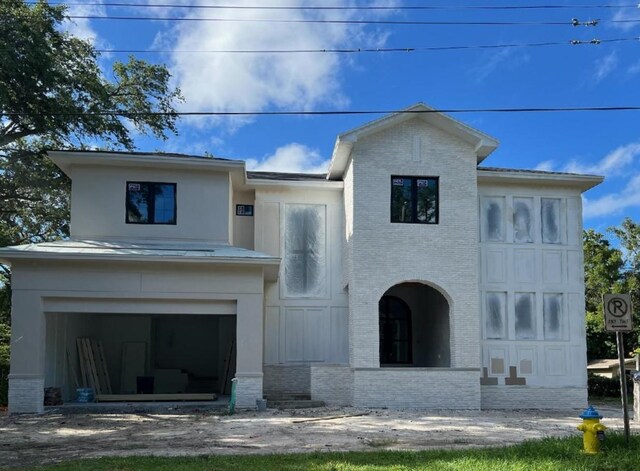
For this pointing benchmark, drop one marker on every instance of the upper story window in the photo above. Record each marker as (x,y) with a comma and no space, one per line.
(414,200)
(151,203)
(305,272)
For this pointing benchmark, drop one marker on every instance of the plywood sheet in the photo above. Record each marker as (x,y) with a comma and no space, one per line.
(134,360)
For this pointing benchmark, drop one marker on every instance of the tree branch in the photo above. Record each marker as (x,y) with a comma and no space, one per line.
(7,139)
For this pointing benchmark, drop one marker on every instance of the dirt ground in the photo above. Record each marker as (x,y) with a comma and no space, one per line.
(59,436)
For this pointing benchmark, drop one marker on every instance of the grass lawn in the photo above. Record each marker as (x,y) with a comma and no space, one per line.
(548,454)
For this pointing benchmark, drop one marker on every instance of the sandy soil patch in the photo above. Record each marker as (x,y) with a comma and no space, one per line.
(57,436)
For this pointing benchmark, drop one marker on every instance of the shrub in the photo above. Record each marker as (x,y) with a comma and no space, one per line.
(607,387)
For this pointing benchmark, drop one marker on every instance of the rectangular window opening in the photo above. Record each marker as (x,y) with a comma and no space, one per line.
(552,316)
(305,250)
(522,220)
(414,200)
(525,319)
(495,325)
(493,221)
(150,203)
(551,227)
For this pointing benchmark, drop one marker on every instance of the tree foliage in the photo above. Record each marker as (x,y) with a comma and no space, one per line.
(51,84)
(608,269)
(56,93)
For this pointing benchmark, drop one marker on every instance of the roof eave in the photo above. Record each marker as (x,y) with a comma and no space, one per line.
(582,182)
(66,160)
(320,185)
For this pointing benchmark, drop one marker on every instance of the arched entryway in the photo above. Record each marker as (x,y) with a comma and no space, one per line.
(414,327)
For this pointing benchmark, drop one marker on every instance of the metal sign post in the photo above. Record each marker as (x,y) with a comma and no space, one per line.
(618,318)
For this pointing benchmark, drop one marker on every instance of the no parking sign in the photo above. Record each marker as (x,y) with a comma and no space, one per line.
(618,313)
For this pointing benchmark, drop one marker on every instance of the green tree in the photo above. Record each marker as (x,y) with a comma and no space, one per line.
(54,94)
(602,274)
(608,269)
(628,234)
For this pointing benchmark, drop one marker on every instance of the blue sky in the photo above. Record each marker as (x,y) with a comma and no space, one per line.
(606,143)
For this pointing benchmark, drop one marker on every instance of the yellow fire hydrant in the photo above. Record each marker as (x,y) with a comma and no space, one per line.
(593,430)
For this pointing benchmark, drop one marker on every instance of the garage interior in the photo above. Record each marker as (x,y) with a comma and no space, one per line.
(146,356)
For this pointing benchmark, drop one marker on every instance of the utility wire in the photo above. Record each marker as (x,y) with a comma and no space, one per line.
(342,8)
(342,112)
(362,49)
(572,22)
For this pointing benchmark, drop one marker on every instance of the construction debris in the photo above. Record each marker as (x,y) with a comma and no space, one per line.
(331,417)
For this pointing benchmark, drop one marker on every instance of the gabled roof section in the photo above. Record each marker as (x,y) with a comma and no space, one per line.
(483,143)
(66,159)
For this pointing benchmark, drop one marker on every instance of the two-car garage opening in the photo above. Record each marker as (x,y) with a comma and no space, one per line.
(151,356)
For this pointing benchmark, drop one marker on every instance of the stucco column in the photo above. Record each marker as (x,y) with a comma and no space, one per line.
(26,377)
(249,339)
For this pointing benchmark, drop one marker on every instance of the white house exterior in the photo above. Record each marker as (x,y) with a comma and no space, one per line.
(406,277)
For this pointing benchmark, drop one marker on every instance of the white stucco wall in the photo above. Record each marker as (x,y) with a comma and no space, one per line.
(98,204)
(538,269)
(302,330)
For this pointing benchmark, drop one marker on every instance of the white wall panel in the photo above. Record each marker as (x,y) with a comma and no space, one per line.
(575,271)
(339,351)
(294,334)
(316,337)
(272,335)
(555,361)
(496,265)
(524,265)
(552,267)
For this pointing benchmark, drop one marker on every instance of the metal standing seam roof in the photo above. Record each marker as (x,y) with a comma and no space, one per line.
(532,172)
(286,176)
(118,249)
(159,154)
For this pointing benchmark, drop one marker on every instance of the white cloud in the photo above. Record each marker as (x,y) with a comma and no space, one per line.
(629,18)
(507,58)
(291,158)
(614,203)
(255,82)
(546,166)
(621,164)
(604,66)
(614,163)
(634,68)
(81,27)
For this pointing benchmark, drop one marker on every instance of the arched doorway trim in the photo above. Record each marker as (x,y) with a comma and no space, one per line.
(414,320)
(401,281)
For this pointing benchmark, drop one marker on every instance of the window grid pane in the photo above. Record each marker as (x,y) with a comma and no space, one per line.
(414,200)
(164,204)
(150,203)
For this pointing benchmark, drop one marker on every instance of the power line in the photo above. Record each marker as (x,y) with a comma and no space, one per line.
(343,112)
(357,50)
(343,8)
(572,22)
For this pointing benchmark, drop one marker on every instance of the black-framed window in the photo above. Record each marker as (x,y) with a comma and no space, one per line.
(151,203)
(414,200)
(395,331)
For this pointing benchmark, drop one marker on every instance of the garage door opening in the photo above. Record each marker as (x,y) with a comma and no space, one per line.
(135,357)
